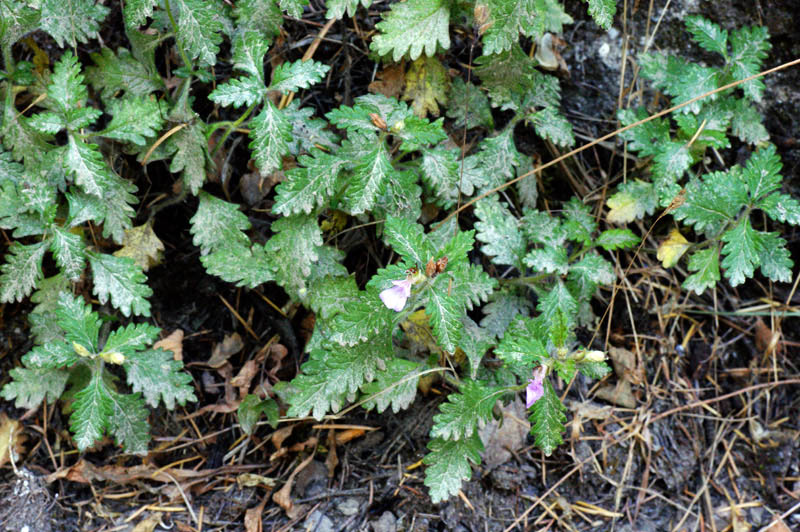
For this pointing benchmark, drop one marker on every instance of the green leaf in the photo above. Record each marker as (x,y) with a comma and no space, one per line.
(762,173)
(603,11)
(81,325)
(47,122)
(395,386)
(502,310)
(553,126)
(217,223)
(547,419)
(440,172)
(42,318)
(512,80)
(262,16)
(88,167)
(707,34)
(471,285)
(16,19)
(646,138)
(72,22)
(332,295)
(134,120)
(557,301)
(330,376)
(21,271)
(418,133)
(498,157)
(250,410)
(680,79)
(66,88)
(293,8)
(294,248)
(118,213)
(579,224)
(781,207)
(498,229)
(469,106)
(613,239)
(742,251)
(136,12)
(749,47)
(30,387)
(445,316)
(413,27)
(361,321)
(672,160)
(337,8)
(249,49)
(776,262)
(199,28)
(240,264)
(134,337)
(369,174)
(238,92)
(408,239)
(122,281)
(308,133)
(712,201)
(121,72)
(290,77)
(129,424)
(310,185)
(159,376)
(271,132)
(587,273)
(189,147)
(705,264)
(55,355)
(93,408)
(460,414)
(449,465)
(475,342)
(747,122)
(68,249)
(524,345)
(549,259)
(593,370)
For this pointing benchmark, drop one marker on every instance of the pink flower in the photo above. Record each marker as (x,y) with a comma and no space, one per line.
(396,296)
(535,389)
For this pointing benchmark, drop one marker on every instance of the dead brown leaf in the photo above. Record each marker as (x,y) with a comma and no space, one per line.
(11,438)
(173,342)
(777,526)
(149,523)
(245,376)
(625,366)
(502,439)
(283,497)
(620,395)
(333,459)
(231,345)
(252,517)
(389,81)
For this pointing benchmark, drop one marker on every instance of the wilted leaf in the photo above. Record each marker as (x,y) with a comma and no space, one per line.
(143,246)
(672,249)
(426,86)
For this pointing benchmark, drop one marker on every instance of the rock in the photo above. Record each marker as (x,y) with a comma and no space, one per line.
(349,506)
(386,523)
(319,522)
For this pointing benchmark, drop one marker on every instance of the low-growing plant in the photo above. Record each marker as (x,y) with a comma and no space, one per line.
(718,205)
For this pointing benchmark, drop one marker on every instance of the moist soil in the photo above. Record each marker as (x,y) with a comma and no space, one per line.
(692,432)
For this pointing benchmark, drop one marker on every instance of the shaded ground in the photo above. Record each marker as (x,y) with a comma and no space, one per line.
(697,429)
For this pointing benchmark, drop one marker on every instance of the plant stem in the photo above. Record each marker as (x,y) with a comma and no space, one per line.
(174,24)
(231,127)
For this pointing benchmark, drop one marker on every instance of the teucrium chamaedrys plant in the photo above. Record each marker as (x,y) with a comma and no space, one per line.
(718,205)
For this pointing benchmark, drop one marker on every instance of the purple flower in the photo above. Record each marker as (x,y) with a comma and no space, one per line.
(396,296)
(535,389)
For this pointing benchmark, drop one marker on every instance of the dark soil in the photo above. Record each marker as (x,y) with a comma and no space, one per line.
(708,443)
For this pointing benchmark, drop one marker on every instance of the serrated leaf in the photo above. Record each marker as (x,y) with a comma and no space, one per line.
(16,19)
(250,410)
(289,77)
(361,321)
(706,265)
(131,338)
(498,229)
(72,22)
(408,239)
(593,370)
(776,262)
(93,408)
(81,325)
(129,424)
(159,376)
(189,145)
(68,249)
(136,12)
(445,317)
(271,133)
(118,213)
(440,172)
(262,16)
(524,345)
(672,249)
(240,264)
(308,133)
(369,174)
(579,224)
(30,387)
(680,79)
(513,82)
(712,201)
(142,245)
(88,167)
(121,72)
(47,122)
(199,28)
(120,280)
(747,123)
(337,8)
(238,92)
(672,160)
(249,48)
(557,301)
(547,419)
(418,133)
(134,120)
(613,239)
(310,185)
(471,285)
(218,223)
(553,126)
(55,355)
(475,342)
(330,376)
(395,386)
(549,259)
(645,138)
(742,251)
(449,465)
(498,156)
(426,86)
(293,8)
(707,34)
(602,11)
(749,47)
(462,412)
(761,173)
(781,207)
(502,309)
(21,271)
(413,27)
(469,106)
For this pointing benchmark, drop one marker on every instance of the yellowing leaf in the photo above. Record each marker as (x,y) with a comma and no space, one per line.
(142,245)
(11,439)
(623,207)
(672,249)
(426,86)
